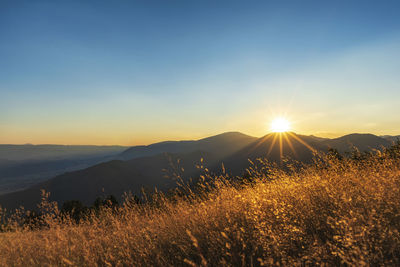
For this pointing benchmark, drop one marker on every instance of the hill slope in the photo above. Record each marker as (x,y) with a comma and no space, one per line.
(364,142)
(22,166)
(232,149)
(274,146)
(343,213)
(221,145)
(113,177)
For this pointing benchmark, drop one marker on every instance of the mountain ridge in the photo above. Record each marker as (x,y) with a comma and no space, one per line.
(183,145)
(118,176)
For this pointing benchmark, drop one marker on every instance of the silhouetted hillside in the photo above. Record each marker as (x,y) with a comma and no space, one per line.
(113,177)
(22,166)
(233,149)
(391,138)
(15,176)
(221,145)
(364,142)
(274,146)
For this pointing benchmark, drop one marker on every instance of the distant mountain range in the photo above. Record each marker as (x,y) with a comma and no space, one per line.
(22,166)
(30,152)
(148,166)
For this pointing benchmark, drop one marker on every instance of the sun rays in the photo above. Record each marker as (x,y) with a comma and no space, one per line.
(281,140)
(280,125)
(287,138)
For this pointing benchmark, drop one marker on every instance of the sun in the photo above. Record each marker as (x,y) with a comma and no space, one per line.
(280,125)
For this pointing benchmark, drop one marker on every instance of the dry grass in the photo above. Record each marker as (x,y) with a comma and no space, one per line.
(341,212)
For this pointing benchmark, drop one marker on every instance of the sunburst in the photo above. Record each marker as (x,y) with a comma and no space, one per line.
(280,125)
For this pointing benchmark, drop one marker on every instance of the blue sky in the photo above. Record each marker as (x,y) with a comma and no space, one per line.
(135,72)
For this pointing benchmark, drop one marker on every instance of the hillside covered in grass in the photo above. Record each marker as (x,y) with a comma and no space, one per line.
(334,211)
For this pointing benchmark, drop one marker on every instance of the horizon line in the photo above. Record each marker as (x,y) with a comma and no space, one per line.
(319,135)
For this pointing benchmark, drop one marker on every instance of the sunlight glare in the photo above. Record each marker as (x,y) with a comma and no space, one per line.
(280,125)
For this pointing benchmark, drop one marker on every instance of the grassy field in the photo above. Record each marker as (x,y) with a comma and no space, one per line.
(338,211)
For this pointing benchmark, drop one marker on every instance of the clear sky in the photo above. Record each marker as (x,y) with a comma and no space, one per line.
(126,72)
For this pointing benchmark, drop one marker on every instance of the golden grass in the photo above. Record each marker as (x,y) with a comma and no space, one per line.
(341,212)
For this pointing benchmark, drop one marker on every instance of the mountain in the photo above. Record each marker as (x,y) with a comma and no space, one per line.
(15,176)
(33,164)
(54,152)
(114,177)
(391,138)
(221,145)
(22,166)
(273,146)
(364,142)
(141,166)
(232,149)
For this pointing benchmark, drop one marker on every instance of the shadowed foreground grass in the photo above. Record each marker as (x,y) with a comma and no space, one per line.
(340,212)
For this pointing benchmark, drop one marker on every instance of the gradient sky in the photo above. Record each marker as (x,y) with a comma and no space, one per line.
(125,72)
